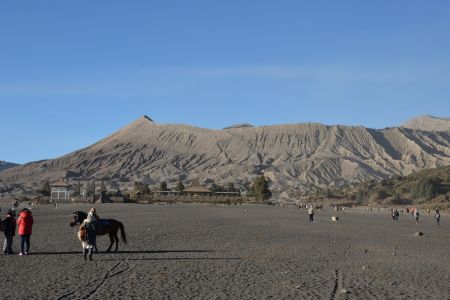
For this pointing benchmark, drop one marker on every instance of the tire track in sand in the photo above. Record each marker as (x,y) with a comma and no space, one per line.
(337,273)
(107,276)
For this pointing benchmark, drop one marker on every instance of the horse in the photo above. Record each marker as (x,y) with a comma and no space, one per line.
(107,226)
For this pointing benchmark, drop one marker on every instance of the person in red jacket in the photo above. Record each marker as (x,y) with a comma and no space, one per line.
(25,222)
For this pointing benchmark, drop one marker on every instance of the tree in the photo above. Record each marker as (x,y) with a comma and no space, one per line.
(140,188)
(46,189)
(215,188)
(77,188)
(260,188)
(230,187)
(426,188)
(163,186)
(90,189)
(180,186)
(103,187)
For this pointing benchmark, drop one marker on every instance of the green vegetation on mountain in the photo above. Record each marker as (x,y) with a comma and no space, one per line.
(428,187)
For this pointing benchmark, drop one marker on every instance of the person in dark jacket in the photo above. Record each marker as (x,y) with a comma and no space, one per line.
(25,222)
(90,241)
(10,231)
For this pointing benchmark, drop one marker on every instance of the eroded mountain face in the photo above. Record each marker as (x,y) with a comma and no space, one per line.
(292,156)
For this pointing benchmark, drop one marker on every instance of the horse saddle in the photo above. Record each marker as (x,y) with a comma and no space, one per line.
(103,222)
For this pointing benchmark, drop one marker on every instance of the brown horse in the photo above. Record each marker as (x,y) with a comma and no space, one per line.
(107,226)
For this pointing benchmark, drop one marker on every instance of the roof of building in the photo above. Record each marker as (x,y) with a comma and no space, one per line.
(60,183)
(197,189)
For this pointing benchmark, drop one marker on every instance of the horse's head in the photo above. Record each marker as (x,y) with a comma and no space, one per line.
(77,218)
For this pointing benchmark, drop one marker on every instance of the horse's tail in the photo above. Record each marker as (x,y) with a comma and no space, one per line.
(122,233)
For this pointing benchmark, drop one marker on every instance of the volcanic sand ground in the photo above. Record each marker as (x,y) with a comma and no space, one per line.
(236,252)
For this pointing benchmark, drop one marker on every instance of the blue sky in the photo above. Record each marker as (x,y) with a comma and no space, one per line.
(73,72)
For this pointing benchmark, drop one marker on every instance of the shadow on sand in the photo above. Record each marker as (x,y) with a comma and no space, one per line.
(123,252)
(174,258)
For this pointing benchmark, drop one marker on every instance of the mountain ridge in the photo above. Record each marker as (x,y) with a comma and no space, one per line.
(293,156)
(6,165)
(428,123)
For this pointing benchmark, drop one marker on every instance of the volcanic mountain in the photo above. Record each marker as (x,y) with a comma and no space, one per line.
(428,123)
(293,157)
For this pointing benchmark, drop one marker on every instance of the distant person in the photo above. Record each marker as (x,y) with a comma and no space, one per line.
(90,239)
(407,210)
(396,215)
(25,222)
(428,211)
(9,224)
(437,216)
(311,213)
(416,215)
(393,214)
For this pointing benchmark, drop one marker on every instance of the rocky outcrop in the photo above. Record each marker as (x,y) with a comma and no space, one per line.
(295,156)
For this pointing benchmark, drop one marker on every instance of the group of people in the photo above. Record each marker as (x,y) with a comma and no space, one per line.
(24,227)
(415,212)
(25,224)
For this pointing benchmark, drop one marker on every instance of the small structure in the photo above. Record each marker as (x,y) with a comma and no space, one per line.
(197,190)
(60,191)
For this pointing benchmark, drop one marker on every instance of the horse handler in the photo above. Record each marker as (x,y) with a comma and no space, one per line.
(88,235)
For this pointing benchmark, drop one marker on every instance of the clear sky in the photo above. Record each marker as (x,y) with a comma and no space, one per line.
(73,72)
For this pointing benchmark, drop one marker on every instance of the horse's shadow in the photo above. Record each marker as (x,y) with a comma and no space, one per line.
(123,252)
(174,258)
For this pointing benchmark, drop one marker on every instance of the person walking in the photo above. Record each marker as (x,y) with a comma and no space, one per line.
(416,215)
(90,240)
(396,215)
(9,224)
(437,216)
(25,222)
(311,212)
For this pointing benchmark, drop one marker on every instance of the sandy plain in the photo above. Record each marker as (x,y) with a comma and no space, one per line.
(233,252)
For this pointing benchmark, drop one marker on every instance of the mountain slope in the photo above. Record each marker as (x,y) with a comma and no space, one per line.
(293,156)
(6,165)
(428,123)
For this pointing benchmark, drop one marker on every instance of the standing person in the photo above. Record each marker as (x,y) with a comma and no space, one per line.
(428,210)
(10,231)
(396,214)
(96,219)
(437,216)
(311,213)
(416,215)
(91,234)
(25,222)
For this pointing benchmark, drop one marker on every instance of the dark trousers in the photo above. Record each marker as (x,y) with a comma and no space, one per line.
(7,246)
(311,217)
(89,251)
(25,239)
